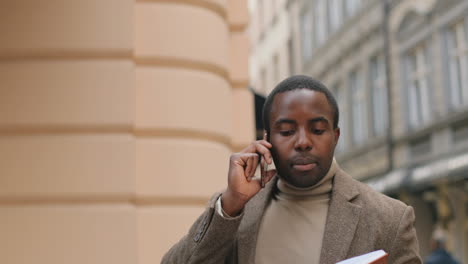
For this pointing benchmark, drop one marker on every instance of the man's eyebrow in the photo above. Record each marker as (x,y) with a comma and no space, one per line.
(290,121)
(318,119)
(284,120)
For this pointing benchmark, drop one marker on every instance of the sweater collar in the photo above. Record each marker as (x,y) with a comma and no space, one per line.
(323,187)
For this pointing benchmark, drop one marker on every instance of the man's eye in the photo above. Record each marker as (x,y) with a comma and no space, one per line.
(318,131)
(286,132)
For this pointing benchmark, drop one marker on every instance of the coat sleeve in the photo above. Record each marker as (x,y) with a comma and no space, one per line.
(210,239)
(405,248)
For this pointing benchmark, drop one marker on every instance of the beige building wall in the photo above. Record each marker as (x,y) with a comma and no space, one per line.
(117,119)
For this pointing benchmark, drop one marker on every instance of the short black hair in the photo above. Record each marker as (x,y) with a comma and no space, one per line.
(294,83)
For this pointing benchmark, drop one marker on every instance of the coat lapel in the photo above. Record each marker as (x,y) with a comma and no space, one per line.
(248,230)
(342,219)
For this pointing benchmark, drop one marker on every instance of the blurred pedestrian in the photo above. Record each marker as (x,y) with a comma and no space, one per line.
(439,254)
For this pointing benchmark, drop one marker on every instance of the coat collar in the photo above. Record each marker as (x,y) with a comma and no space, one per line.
(248,229)
(342,219)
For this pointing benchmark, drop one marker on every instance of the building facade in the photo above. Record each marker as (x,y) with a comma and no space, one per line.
(273,51)
(399,70)
(117,120)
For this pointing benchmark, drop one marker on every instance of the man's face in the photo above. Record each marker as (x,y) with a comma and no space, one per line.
(302,135)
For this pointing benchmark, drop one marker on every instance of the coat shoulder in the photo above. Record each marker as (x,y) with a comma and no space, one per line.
(380,213)
(378,201)
(383,220)
(371,200)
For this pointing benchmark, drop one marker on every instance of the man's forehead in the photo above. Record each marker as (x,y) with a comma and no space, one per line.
(286,120)
(307,100)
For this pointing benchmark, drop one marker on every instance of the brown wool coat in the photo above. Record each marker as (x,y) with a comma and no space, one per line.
(359,220)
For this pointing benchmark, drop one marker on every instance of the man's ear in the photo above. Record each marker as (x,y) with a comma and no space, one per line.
(337,133)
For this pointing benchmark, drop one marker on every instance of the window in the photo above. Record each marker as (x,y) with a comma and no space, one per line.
(276,69)
(260,10)
(306,28)
(457,56)
(379,95)
(359,108)
(421,146)
(417,84)
(335,14)
(264,84)
(460,132)
(341,101)
(351,7)
(291,60)
(320,15)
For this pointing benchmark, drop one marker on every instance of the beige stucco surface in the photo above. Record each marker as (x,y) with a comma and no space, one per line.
(70,92)
(167,224)
(184,167)
(67,233)
(30,26)
(37,166)
(117,120)
(182,99)
(177,31)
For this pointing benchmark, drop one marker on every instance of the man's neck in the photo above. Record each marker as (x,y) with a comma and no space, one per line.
(322,187)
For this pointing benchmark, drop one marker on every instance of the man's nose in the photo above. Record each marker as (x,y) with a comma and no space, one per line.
(303,141)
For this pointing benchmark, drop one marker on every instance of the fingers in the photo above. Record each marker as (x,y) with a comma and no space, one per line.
(262,147)
(265,178)
(248,162)
(252,162)
(242,168)
(266,174)
(244,164)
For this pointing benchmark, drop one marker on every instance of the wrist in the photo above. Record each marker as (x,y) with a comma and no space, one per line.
(231,204)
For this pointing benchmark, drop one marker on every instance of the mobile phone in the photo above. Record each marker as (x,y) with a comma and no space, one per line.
(263,163)
(263,169)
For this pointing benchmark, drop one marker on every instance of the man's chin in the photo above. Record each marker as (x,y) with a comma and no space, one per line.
(302,181)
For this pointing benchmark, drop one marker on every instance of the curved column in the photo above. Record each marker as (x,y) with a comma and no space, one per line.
(183,120)
(66,144)
(117,120)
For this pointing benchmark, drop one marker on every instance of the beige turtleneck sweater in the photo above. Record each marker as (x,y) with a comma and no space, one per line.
(293,225)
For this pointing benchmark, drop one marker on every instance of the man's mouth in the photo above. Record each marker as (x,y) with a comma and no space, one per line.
(304,164)
(304,167)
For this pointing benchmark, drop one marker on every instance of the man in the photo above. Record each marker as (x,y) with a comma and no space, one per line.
(310,211)
(439,254)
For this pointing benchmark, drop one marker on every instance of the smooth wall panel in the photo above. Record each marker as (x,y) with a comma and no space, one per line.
(195,34)
(69,165)
(221,4)
(72,234)
(30,26)
(239,58)
(160,227)
(184,99)
(62,93)
(180,167)
(238,14)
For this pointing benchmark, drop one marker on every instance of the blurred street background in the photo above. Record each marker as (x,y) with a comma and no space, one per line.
(399,71)
(117,118)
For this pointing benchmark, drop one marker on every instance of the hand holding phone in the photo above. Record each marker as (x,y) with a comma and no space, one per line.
(242,185)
